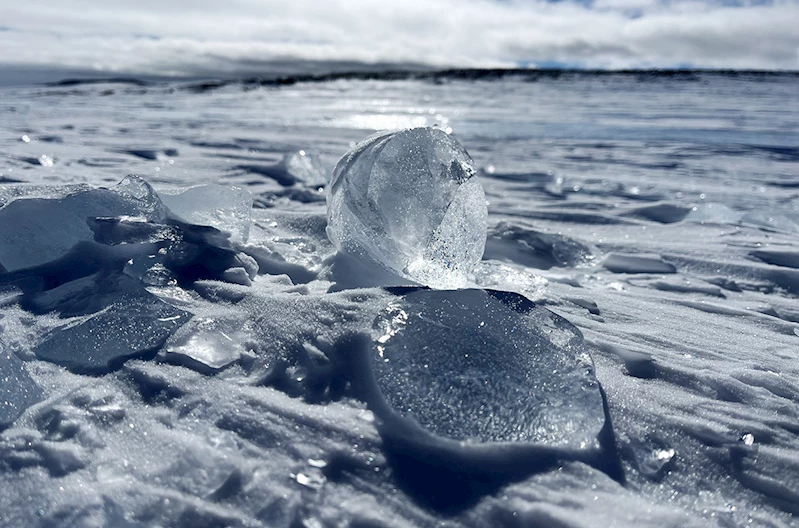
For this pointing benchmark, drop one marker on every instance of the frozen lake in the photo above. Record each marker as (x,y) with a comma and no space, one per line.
(657,214)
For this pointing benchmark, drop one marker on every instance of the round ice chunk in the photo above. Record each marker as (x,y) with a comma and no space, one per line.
(410,202)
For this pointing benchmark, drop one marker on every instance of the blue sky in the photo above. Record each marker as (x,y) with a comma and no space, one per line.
(240,37)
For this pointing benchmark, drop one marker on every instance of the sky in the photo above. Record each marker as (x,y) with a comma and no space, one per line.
(220,38)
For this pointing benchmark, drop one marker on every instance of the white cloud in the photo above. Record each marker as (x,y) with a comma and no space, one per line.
(170,37)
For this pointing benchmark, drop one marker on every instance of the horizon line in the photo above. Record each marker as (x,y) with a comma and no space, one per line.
(208,82)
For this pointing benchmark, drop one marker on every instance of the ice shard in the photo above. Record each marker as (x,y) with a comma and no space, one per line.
(135,324)
(34,231)
(411,203)
(305,168)
(224,207)
(469,368)
(206,344)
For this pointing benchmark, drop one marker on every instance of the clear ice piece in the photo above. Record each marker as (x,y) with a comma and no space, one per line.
(207,344)
(475,366)
(17,390)
(410,202)
(135,324)
(12,191)
(304,168)
(37,230)
(149,203)
(225,207)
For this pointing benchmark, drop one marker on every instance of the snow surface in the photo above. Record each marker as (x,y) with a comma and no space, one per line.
(165,368)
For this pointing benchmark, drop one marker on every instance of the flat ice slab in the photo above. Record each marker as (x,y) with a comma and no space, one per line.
(477,367)
(37,230)
(134,325)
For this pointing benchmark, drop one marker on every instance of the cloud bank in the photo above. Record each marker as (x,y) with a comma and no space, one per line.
(239,37)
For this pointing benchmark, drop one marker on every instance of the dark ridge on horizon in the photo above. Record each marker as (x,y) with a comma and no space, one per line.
(466,74)
(101,80)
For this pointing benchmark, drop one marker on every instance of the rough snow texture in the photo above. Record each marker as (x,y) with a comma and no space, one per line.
(17,391)
(699,366)
(410,202)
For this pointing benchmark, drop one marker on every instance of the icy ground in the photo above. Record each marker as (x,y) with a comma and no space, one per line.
(154,372)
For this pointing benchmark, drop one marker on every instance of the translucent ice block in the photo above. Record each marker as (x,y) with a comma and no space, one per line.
(475,366)
(37,230)
(410,202)
(225,207)
(134,325)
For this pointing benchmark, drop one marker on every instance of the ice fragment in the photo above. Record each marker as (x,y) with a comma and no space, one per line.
(305,168)
(147,199)
(295,170)
(225,207)
(135,324)
(410,202)
(474,367)
(206,344)
(37,230)
(9,192)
